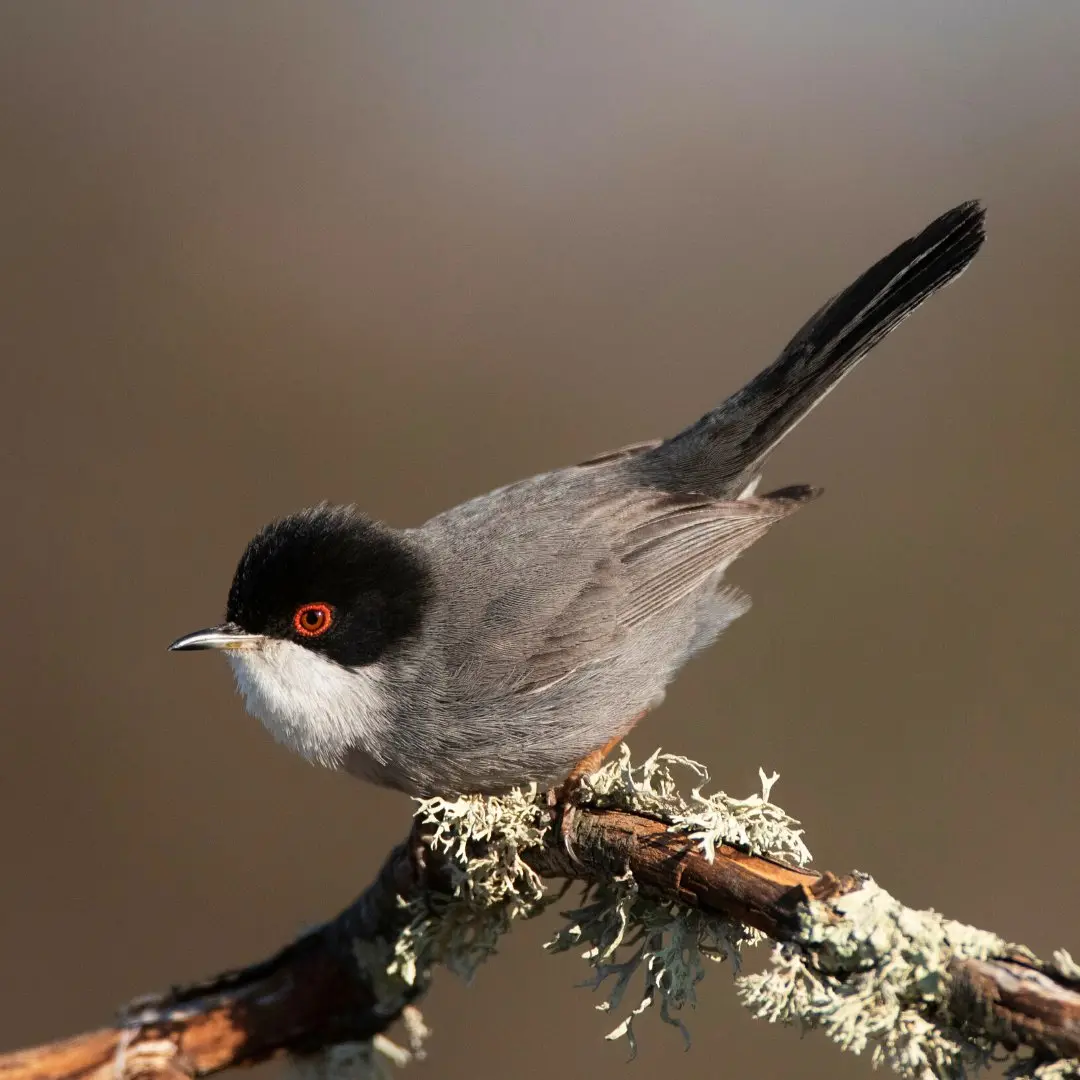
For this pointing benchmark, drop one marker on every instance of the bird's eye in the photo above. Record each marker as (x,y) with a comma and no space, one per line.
(313,620)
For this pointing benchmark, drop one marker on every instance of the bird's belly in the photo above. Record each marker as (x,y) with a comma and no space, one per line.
(487,745)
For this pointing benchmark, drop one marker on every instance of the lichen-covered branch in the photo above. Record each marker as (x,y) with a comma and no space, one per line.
(671,884)
(309,996)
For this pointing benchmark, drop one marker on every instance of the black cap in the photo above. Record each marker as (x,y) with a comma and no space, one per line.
(334,581)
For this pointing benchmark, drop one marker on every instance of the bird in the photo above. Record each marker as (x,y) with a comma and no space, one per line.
(519,636)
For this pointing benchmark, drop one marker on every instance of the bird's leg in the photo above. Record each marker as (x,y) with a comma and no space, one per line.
(561,799)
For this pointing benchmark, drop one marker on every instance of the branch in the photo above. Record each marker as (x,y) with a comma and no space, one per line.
(308,996)
(340,986)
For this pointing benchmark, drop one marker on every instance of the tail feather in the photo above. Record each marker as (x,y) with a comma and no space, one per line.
(723,452)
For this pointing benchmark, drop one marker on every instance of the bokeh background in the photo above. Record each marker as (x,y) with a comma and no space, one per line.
(258,254)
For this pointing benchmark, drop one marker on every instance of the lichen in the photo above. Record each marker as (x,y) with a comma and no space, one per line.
(873,974)
(625,933)
(1066,966)
(754,824)
(480,842)
(370,1060)
(1065,1069)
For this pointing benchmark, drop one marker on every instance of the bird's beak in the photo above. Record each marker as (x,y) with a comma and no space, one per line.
(225,636)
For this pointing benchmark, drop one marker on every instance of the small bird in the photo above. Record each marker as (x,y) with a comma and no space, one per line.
(518,637)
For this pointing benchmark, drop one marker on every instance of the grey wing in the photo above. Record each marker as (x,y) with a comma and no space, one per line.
(668,548)
(550,575)
(687,540)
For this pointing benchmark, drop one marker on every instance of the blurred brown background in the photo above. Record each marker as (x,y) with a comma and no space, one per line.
(259,254)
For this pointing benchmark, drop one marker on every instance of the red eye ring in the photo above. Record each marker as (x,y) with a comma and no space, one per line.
(313,620)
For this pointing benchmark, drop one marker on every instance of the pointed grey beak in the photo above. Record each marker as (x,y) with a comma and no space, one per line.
(225,636)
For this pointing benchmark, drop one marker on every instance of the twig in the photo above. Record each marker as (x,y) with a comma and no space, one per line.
(314,995)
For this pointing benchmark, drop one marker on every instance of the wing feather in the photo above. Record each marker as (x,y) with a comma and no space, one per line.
(677,550)
(671,546)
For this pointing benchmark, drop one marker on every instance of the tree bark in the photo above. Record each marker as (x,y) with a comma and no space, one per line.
(311,995)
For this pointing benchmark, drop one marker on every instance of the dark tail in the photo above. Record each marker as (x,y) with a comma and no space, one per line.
(723,451)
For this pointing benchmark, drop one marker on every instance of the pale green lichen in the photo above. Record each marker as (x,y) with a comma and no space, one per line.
(1066,966)
(625,933)
(873,974)
(480,841)
(1065,1069)
(371,1060)
(754,824)
(868,971)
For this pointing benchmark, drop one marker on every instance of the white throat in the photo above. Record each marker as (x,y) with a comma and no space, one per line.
(311,704)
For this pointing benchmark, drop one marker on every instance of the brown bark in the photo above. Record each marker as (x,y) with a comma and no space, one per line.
(311,995)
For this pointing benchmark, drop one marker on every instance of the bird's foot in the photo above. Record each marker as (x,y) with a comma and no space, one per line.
(563,807)
(565,800)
